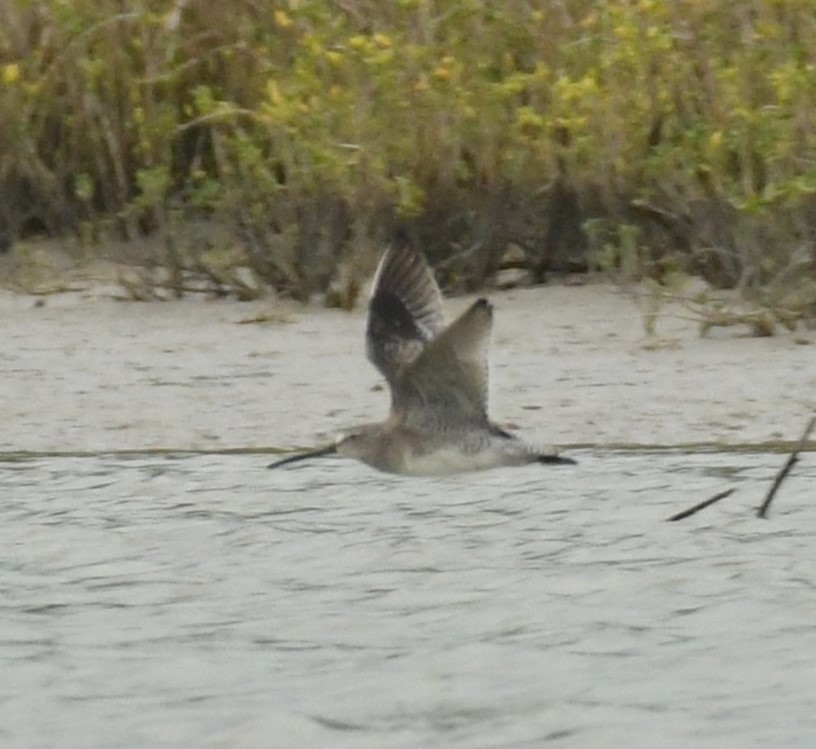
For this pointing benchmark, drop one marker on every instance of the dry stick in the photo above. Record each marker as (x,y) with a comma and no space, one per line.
(786,469)
(702,505)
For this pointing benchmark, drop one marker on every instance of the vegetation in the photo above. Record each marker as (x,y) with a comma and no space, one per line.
(644,136)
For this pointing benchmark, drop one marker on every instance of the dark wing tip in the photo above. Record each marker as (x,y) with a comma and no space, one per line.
(473,327)
(556,460)
(483,307)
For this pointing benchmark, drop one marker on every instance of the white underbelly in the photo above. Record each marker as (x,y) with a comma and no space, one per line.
(451,459)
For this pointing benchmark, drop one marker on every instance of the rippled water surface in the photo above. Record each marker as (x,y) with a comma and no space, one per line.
(201,600)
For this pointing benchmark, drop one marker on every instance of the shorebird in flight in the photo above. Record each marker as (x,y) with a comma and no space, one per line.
(438,378)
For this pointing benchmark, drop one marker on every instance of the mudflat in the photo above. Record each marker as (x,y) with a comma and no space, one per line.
(570,365)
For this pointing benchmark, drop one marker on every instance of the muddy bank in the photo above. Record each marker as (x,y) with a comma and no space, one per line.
(570,365)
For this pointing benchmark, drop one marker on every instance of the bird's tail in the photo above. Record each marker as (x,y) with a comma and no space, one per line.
(557,460)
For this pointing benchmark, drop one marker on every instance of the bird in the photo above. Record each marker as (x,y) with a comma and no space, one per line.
(438,378)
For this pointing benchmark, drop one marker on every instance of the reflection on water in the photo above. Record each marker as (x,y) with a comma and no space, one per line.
(204,601)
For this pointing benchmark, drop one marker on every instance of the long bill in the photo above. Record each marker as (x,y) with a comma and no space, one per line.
(304,456)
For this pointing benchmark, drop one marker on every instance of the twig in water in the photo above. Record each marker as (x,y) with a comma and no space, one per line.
(702,505)
(786,469)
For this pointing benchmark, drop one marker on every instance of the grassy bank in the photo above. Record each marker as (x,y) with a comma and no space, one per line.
(643,137)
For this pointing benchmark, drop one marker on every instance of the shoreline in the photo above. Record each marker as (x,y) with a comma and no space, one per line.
(570,365)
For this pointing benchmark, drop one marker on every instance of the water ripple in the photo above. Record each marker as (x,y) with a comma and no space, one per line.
(202,600)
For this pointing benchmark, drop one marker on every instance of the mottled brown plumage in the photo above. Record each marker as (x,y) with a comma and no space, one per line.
(438,379)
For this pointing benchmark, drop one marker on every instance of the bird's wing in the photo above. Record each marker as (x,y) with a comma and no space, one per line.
(446,385)
(405,311)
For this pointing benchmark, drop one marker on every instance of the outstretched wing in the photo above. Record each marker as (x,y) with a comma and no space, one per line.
(405,311)
(446,385)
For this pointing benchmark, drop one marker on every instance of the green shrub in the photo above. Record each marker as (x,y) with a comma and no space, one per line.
(307,126)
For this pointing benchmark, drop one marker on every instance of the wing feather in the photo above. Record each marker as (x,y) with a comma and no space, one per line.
(404,313)
(447,383)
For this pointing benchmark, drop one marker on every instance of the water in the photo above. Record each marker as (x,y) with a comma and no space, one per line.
(200,600)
